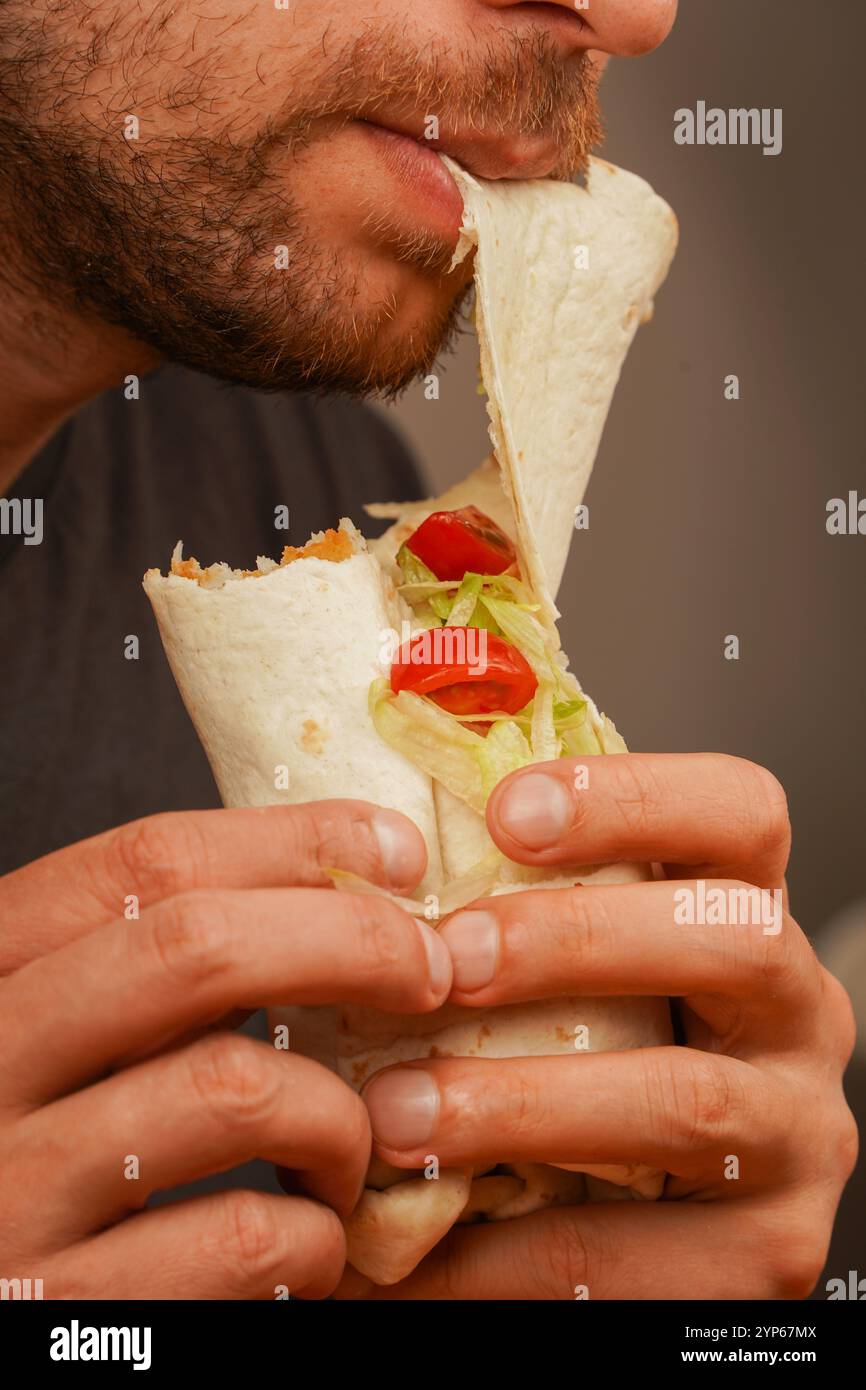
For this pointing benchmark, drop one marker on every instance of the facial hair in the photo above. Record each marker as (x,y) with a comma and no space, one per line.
(174,239)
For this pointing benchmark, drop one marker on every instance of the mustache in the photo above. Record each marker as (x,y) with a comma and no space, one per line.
(516,85)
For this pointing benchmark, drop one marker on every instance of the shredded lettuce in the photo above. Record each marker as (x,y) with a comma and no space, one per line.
(465,601)
(569,714)
(429,737)
(413,570)
(504,750)
(558,704)
(481,618)
(611,740)
(441,606)
(554,724)
(462,760)
(524,630)
(416,573)
(449,598)
(580,743)
(545,741)
(425,616)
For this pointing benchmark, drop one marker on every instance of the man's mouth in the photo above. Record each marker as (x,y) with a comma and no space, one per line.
(486,156)
(416,164)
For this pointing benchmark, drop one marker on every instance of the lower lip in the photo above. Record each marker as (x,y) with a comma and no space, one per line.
(423,174)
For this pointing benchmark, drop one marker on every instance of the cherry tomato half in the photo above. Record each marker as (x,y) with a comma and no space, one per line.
(453,543)
(465,670)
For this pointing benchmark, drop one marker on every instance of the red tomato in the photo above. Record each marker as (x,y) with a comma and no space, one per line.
(465,670)
(453,543)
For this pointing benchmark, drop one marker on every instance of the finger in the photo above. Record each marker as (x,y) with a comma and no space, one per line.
(645,939)
(634,1250)
(203,1109)
(670,1108)
(57,898)
(724,817)
(230,1245)
(135,985)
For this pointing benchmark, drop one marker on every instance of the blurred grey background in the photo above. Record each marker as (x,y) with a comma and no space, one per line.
(707,517)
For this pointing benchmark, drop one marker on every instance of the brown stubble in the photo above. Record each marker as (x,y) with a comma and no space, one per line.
(171,238)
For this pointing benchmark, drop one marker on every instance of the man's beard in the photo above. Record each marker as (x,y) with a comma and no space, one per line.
(174,240)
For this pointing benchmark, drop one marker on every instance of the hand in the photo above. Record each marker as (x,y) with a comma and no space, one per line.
(115,1044)
(768,1034)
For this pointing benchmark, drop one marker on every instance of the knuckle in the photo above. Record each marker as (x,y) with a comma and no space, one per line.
(765,809)
(232,1079)
(190,939)
(565,1256)
(384,936)
(580,927)
(528,1108)
(332,834)
(847,1144)
(258,1236)
(840,1010)
(249,1239)
(162,854)
(779,963)
(705,1101)
(637,794)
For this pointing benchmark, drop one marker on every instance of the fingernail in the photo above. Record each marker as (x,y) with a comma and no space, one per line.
(473,940)
(535,810)
(438,959)
(403,1106)
(397,848)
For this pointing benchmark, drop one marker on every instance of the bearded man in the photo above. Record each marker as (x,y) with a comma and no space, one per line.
(211,216)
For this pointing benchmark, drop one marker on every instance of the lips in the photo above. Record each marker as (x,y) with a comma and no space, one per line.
(489,157)
(523,158)
(429,197)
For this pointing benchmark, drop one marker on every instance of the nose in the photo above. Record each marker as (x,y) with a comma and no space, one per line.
(625,28)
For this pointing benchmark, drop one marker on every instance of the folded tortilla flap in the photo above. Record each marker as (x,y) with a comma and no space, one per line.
(390,1231)
(564,276)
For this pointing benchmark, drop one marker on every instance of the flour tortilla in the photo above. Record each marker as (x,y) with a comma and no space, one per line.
(554,332)
(275,669)
(275,672)
(554,328)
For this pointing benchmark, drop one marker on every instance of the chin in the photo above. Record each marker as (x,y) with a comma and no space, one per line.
(367,344)
(389,325)
(416,303)
(400,350)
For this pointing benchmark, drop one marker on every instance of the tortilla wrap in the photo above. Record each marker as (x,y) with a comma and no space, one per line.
(274,669)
